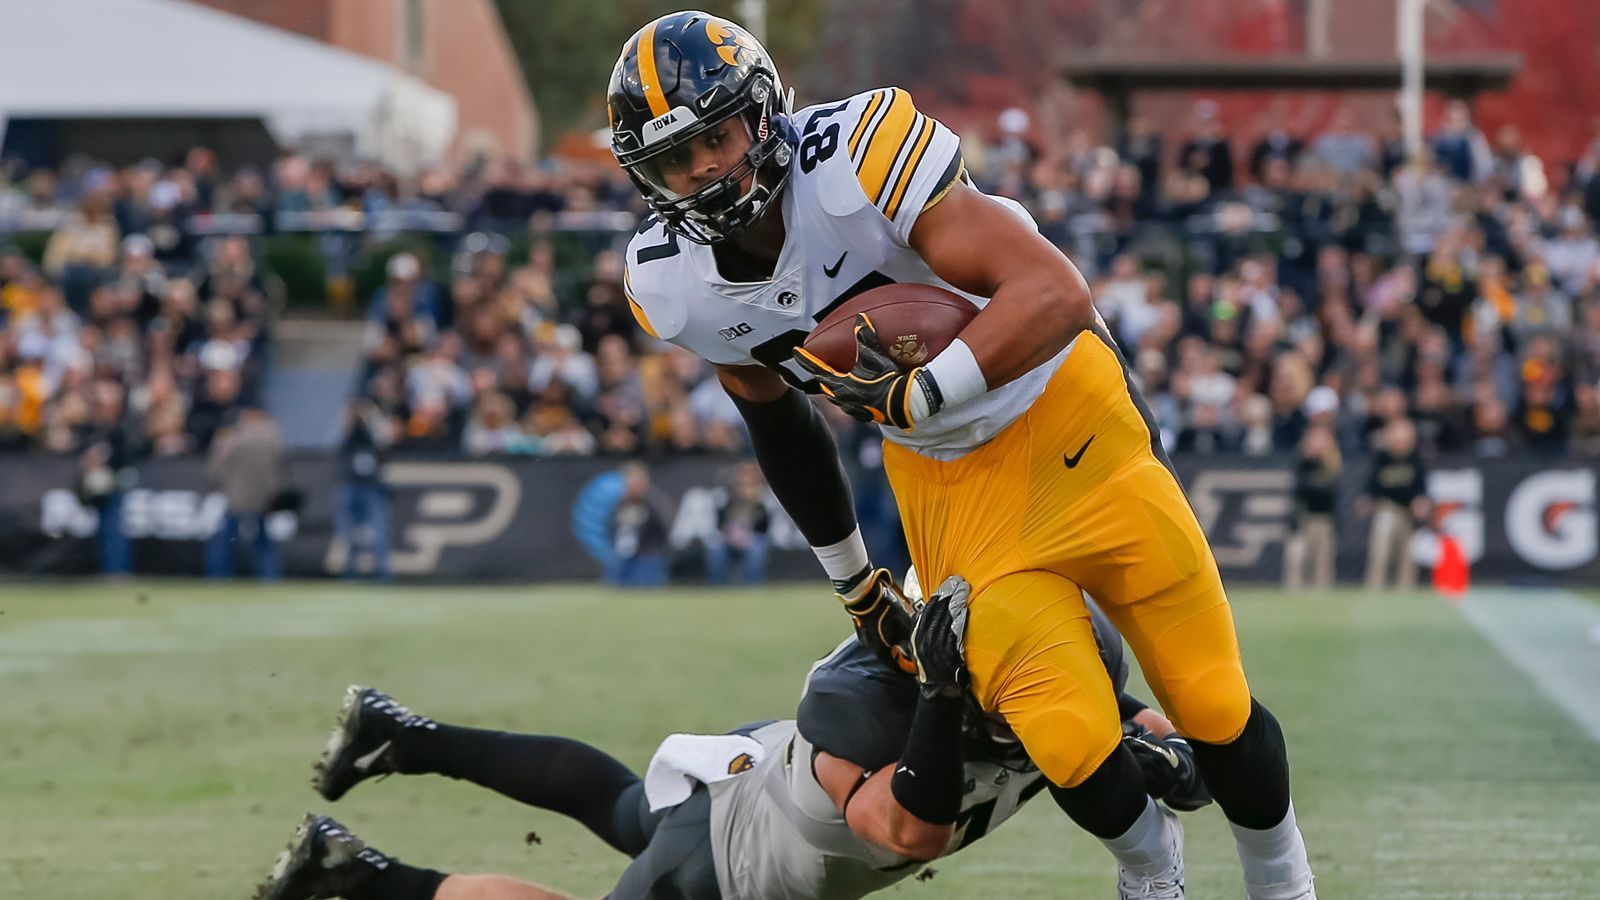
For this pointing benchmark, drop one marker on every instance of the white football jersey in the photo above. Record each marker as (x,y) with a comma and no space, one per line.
(865,169)
(775,832)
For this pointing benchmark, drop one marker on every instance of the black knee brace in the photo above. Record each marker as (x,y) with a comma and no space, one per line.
(1109,801)
(1249,776)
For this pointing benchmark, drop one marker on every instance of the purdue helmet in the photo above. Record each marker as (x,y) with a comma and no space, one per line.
(678,77)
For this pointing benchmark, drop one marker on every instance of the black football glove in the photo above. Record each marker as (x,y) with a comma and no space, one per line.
(875,390)
(882,615)
(1170,774)
(939,640)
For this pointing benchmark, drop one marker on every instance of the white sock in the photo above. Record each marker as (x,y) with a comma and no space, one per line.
(1274,860)
(1144,849)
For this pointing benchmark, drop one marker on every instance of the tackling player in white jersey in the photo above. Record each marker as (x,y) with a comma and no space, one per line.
(799,809)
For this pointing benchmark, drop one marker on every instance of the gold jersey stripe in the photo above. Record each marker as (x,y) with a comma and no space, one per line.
(649,78)
(639,316)
(909,169)
(899,159)
(884,144)
(633,305)
(861,126)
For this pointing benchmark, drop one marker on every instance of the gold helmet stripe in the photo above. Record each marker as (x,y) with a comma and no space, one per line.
(649,78)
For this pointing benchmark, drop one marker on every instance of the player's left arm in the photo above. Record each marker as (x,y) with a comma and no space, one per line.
(1040,301)
(911,806)
(874,815)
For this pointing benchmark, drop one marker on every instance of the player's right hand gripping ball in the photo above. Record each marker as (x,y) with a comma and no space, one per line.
(874,389)
(882,616)
(939,640)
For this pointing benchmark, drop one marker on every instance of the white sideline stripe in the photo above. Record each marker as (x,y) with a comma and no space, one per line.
(1549,635)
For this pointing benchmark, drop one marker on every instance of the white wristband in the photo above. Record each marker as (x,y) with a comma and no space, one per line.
(844,560)
(953,378)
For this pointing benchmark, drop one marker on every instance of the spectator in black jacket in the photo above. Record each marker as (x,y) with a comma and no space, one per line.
(106,473)
(1397,499)
(639,532)
(362,508)
(1208,149)
(1275,143)
(743,523)
(1312,547)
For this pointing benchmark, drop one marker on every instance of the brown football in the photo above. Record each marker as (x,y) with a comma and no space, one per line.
(915,322)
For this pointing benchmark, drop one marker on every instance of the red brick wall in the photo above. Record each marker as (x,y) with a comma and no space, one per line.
(465,54)
(998,52)
(308,17)
(469,56)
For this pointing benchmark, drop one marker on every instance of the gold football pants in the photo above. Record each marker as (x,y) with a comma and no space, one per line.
(1074,495)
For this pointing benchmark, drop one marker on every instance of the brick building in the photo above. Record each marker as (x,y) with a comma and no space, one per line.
(457,46)
(987,55)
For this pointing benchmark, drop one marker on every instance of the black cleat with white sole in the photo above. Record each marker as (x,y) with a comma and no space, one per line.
(323,860)
(362,743)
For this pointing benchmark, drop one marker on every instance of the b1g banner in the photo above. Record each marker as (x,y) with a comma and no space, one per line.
(523,519)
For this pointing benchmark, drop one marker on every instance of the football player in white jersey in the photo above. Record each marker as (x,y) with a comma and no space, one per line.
(1021,456)
(799,809)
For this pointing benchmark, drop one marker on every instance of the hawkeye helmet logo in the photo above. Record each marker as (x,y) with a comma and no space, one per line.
(734,332)
(741,763)
(730,39)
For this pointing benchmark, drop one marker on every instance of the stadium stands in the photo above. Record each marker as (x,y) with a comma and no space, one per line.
(1239,272)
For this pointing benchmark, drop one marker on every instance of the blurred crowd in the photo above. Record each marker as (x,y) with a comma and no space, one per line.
(1263,285)
(1332,281)
(102,349)
(1260,287)
(499,362)
(137,321)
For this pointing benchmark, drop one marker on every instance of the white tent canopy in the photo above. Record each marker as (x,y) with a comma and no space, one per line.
(172,59)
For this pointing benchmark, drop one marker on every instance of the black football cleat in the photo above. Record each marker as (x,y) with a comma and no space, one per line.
(362,743)
(323,860)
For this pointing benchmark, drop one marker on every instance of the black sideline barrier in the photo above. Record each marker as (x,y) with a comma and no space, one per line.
(519,519)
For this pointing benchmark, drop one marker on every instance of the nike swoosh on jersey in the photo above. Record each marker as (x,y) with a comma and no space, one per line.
(833,270)
(1073,459)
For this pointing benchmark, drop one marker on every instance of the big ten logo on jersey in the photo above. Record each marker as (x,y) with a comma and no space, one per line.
(1243,512)
(734,332)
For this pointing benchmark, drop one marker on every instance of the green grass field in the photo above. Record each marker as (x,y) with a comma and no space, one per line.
(156,738)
